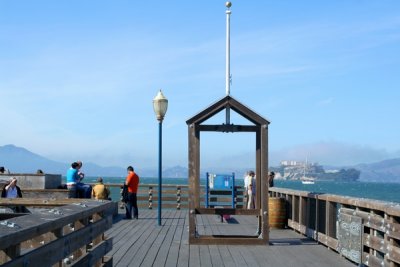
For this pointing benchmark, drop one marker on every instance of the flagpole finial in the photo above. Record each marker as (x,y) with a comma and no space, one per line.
(228,4)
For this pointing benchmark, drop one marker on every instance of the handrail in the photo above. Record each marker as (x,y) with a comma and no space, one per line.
(77,222)
(316,215)
(176,196)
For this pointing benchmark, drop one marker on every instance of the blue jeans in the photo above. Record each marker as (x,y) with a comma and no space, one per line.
(132,204)
(83,190)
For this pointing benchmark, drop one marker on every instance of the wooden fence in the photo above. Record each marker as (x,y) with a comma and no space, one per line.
(363,230)
(56,233)
(177,196)
(332,221)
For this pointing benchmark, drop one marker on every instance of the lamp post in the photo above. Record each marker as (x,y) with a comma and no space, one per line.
(160,105)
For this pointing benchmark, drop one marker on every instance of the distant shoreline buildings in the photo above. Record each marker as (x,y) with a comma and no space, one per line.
(295,170)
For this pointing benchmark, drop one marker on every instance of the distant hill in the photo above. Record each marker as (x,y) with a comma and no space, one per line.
(382,171)
(21,160)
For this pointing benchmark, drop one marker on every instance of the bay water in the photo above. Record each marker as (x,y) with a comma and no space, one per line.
(379,191)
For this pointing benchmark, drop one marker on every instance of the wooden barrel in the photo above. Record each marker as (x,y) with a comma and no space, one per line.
(277,212)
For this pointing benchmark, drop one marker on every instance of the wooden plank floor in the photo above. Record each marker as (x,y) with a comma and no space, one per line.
(143,243)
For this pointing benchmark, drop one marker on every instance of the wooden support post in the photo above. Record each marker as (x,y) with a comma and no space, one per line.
(13,251)
(194,177)
(79,252)
(316,218)
(264,183)
(330,219)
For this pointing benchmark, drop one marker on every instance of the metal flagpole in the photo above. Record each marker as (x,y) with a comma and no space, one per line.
(228,70)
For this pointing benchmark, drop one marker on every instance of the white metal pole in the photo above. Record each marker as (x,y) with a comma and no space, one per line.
(228,71)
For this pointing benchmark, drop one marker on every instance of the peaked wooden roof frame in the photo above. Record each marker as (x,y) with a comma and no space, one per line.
(260,127)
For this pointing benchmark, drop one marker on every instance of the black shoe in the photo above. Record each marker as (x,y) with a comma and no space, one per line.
(127,218)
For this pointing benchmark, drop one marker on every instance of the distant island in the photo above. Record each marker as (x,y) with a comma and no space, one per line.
(21,160)
(296,170)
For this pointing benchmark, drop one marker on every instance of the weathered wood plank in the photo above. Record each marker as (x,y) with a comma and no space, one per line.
(205,258)
(215,256)
(183,258)
(163,252)
(96,253)
(288,247)
(227,211)
(129,244)
(226,255)
(56,250)
(154,248)
(33,225)
(194,255)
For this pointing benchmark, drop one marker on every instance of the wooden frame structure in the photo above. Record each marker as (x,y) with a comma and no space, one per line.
(260,127)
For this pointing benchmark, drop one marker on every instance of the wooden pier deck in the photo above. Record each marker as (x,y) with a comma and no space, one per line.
(143,243)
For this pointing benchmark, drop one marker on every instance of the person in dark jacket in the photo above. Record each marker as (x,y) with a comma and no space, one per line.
(11,190)
(271,177)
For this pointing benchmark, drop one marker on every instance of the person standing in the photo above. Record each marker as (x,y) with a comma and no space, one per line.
(132,182)
(11,190)
(100,191)
(251,190)
(271,177)
(4,170)
(246,185)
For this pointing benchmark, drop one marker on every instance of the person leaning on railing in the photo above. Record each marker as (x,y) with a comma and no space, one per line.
(271,177)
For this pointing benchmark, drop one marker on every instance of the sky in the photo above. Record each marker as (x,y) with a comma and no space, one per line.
(77,79)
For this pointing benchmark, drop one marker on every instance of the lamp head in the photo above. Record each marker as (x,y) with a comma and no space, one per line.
(160,106)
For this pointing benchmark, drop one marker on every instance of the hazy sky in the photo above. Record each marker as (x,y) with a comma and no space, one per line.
(77,78)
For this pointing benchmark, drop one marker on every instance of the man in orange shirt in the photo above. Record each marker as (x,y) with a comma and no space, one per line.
(132,182)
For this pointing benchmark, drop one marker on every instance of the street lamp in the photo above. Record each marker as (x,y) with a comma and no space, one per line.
(160,106)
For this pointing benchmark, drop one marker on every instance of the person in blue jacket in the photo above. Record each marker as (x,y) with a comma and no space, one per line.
(75,187)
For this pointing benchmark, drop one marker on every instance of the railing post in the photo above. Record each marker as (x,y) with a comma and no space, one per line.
(178,197)
(150,197)
(330,219)
(207,187)
(233,190)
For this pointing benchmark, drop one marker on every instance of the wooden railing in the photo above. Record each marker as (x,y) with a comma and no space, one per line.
(318,216)
(176,196)
(323,218)
(63,232)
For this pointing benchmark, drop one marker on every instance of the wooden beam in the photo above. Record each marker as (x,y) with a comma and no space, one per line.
(55,251)
(227,240)
(230,211)
(231,128)
(34,202)
(94,254)
(264,218)
(30,226)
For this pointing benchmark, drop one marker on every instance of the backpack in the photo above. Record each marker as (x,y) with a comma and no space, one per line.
(124,193)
